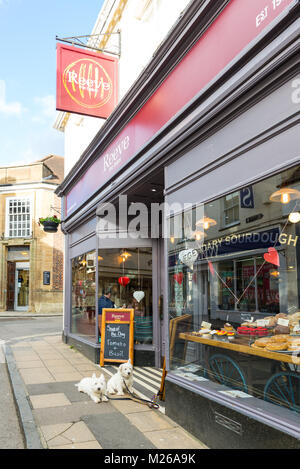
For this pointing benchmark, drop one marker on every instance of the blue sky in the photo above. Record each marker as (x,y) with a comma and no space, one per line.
(28,72)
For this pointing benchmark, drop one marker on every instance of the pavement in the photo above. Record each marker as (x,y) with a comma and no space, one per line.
(54,415)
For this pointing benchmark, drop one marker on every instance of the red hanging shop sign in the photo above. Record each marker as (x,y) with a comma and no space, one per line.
(240,23)
(86,82)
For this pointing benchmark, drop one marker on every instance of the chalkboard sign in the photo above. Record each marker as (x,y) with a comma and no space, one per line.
(116,335)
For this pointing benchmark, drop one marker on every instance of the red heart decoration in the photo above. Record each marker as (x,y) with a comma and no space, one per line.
(179,278)
(211,268)
(123,281)
(272,256)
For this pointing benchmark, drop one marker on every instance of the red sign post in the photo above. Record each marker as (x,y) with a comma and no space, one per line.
(86,82)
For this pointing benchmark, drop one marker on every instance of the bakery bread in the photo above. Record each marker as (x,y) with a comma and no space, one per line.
(277,347)
(261,343)
(278,338)
(293,347)
(281,329)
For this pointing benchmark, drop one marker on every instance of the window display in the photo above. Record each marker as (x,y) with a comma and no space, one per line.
(83,322)
(125,281)
(234,309)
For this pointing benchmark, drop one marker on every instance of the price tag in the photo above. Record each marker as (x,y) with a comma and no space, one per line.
(283,322)
(296,328)
(262,323)
(205,325)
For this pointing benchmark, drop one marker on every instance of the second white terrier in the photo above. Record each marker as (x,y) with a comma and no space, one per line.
(94,387)
(122,379)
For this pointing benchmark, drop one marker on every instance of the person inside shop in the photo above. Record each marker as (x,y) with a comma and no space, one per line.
(104,302)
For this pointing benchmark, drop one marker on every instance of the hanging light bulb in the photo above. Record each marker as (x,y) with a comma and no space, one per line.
(294,217)
(125,255)
(285,195)
(198,235)
(206,222)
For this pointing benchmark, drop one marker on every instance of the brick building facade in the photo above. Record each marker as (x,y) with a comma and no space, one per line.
(31,260)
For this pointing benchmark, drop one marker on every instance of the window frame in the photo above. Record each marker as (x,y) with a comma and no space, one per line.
(223,223)
(7,215)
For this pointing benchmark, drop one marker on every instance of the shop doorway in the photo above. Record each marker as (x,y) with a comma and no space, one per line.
(21,293)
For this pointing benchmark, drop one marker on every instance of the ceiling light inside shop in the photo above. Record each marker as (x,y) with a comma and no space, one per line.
(124,255)
(206,222)
(285,195)
(294,217)
(198,235)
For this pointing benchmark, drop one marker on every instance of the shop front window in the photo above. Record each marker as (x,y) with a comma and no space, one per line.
(125,281)
(234,303)
(83,321)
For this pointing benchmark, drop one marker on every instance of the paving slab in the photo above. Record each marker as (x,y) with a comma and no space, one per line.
(174,438)
(72,413)
(49,400)
(66,387)
(114,431)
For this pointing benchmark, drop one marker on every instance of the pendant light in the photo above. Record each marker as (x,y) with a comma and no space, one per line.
(285,195)
(206,223)
(294,217)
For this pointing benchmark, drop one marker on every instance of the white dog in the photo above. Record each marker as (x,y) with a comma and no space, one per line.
(116,384)
(94,387)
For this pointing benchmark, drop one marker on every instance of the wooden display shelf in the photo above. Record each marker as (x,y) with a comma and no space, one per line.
(242,348)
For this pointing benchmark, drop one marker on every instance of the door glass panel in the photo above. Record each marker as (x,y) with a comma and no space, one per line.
(22,288)
(83,321)
(125,280)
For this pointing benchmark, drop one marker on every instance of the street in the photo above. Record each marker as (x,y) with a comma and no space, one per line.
(12,330)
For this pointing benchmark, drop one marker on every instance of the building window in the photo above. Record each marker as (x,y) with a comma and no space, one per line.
(231,209)
(18,217)
(126,276)
(234,296)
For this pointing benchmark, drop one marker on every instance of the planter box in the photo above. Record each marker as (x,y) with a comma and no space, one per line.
(50,226)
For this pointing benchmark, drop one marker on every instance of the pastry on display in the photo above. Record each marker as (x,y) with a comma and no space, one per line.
(202,333)
(262,343)
(253,331)
(293,347)
(281,329)
(277,347)
(231,335)
(228,327)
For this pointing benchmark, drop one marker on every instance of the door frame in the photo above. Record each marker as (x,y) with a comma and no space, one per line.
(20,266)
(119,243)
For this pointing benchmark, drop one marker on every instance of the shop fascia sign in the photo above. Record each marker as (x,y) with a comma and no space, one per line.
(247,18)
(246,241)
(86,82)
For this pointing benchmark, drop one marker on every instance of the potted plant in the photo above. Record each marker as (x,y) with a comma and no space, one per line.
(50,224)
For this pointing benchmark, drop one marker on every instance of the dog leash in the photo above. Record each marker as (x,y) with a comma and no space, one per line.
(151,404)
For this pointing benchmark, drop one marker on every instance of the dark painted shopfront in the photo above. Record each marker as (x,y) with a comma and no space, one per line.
(210,128)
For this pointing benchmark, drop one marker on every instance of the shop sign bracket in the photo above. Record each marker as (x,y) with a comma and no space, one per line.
(93,42)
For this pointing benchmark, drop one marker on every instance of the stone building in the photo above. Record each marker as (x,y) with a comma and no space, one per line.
(31,260)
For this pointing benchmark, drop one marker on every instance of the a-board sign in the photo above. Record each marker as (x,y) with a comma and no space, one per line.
(117,332)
